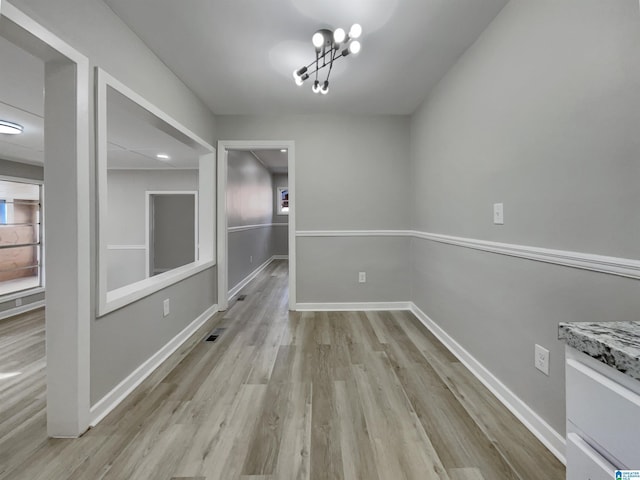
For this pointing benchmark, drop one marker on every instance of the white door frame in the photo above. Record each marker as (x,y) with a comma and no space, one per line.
(223,248)
(67,179)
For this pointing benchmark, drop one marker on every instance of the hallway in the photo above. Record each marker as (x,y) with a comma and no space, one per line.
(279,395)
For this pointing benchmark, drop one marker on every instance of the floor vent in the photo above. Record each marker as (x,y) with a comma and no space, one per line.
(213,336)
(241,298)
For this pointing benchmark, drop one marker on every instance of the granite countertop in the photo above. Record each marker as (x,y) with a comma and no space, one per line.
(616,344)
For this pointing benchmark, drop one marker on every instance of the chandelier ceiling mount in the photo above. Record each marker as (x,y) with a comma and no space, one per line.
(330,46)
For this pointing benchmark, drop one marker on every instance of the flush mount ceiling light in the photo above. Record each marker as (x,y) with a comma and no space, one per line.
(10,128)
(330,46)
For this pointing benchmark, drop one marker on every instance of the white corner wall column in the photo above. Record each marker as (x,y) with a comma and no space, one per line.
(67,179)
(222,243)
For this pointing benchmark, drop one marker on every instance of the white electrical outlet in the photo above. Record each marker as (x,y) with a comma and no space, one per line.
(541,360)
(362,277)
(498,213)
(166,307)
(18,302)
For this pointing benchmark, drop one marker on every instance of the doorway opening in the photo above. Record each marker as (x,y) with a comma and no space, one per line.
(256,213)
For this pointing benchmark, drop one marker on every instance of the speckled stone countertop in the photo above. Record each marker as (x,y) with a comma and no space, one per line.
(616,344)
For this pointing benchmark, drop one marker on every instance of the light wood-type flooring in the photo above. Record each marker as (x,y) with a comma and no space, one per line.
(337,395)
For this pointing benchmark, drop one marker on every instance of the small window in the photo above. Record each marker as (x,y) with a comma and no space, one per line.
(283,200)
(20,232)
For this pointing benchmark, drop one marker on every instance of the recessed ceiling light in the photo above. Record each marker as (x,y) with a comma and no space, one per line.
(283,150)
(163,156)
(10,128)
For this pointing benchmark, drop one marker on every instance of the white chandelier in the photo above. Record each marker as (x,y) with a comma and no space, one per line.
(330,46)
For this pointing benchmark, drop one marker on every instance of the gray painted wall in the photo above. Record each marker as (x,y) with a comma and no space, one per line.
(541,114)
(130,336)
(21,170)
(248,190)
(249,202)
(172,238)
(33,172)
(343,163)
(26,300)
(248,249)
(127,217)
(122,340)
(279,235)
(328,269)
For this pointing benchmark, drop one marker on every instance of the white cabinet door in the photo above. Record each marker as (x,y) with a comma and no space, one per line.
(584,463)
(605,411)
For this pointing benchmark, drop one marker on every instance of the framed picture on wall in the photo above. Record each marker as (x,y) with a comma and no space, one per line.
(283,200)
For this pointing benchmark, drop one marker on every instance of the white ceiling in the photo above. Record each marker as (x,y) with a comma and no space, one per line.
(135,137)
(238,56)
(21,101)
(275,160)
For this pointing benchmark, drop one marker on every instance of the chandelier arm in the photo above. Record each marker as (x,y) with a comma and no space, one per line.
(320,67)
(333,57)
(317,61)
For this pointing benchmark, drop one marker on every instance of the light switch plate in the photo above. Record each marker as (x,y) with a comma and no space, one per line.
(166,307)
(498,213)
(362,277)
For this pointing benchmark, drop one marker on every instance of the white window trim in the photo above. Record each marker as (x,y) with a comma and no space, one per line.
(109,301)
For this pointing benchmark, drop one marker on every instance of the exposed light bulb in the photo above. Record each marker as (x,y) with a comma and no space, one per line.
(316,87)
(339,35)
(325,88)
(317,39)
(10,128)
(298,80)
(355,31)
(354,47)
(163,156)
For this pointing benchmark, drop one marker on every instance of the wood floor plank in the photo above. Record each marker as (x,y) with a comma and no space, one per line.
(326,455)
(266,440)
(401,448)
(279,396)
(465,474)
(358,459)
(295,447)
(517,444)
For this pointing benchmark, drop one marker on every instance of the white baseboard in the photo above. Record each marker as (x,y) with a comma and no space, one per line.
(26,307)
(235,290)
(280,257)
(112,399)
(352,306)
(530,419)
